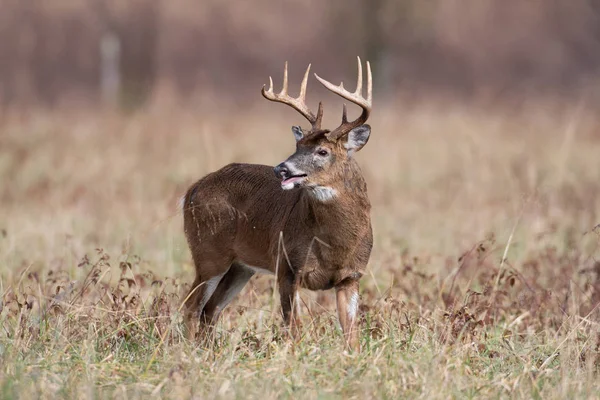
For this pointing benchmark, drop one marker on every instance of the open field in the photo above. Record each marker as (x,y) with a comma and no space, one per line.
(483,281)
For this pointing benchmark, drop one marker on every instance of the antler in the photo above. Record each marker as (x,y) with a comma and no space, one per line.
(297,103)
(355,98)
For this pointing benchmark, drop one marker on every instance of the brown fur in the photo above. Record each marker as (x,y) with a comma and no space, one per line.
(316,234)
(235,216)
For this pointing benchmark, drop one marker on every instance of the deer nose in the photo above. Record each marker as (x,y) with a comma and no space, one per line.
(281,171)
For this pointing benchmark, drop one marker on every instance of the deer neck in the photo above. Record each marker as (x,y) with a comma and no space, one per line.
(344,202)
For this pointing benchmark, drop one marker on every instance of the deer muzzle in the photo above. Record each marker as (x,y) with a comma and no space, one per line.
(290,177)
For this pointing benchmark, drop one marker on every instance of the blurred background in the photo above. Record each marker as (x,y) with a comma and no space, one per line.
(485,116)
(129,53)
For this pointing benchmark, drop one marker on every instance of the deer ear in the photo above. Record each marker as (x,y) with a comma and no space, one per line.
(298,133)
(357,138)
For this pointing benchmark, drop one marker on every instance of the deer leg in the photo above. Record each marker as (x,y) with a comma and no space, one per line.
(201,291)
(232,283)
(289,303)
(347,307)
(191,305)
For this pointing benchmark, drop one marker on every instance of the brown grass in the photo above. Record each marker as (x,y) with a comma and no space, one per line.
(483,281)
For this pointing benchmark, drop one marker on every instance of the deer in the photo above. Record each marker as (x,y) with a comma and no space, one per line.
(306,221)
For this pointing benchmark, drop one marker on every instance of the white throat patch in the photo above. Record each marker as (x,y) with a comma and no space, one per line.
(323,193)
(288,186)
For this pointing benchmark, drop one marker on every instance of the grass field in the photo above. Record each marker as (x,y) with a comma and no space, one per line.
(483,282)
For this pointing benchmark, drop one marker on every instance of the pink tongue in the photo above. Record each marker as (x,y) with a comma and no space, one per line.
(292,179)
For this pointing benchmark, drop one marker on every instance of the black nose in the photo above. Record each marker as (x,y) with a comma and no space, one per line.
(281,171)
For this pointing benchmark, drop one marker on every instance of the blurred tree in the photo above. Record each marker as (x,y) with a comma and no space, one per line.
(129,46)
(114,49)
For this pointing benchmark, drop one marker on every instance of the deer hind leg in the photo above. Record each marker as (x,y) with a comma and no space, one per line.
(230,286)
(210,229)
(347,307)
(200,293)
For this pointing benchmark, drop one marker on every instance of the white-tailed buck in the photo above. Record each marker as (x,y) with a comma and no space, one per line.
(307,220)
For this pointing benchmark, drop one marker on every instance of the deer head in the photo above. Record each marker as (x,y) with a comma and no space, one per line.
(323,158)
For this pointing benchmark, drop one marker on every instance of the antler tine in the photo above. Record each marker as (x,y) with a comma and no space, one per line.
(355,98)
(297,103)
(358,91)
(369,84)
(270,85)
(319,118)
(303,85)
(285,80)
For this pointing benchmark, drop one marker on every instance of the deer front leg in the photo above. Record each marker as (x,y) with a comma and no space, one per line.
(347,307)
(289,304)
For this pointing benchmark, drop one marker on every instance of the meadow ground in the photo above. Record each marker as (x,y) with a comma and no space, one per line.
(483,281)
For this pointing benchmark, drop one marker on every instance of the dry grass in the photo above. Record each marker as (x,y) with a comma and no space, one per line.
(483,281)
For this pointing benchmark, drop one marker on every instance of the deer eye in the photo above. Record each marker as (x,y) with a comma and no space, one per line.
(322,152)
